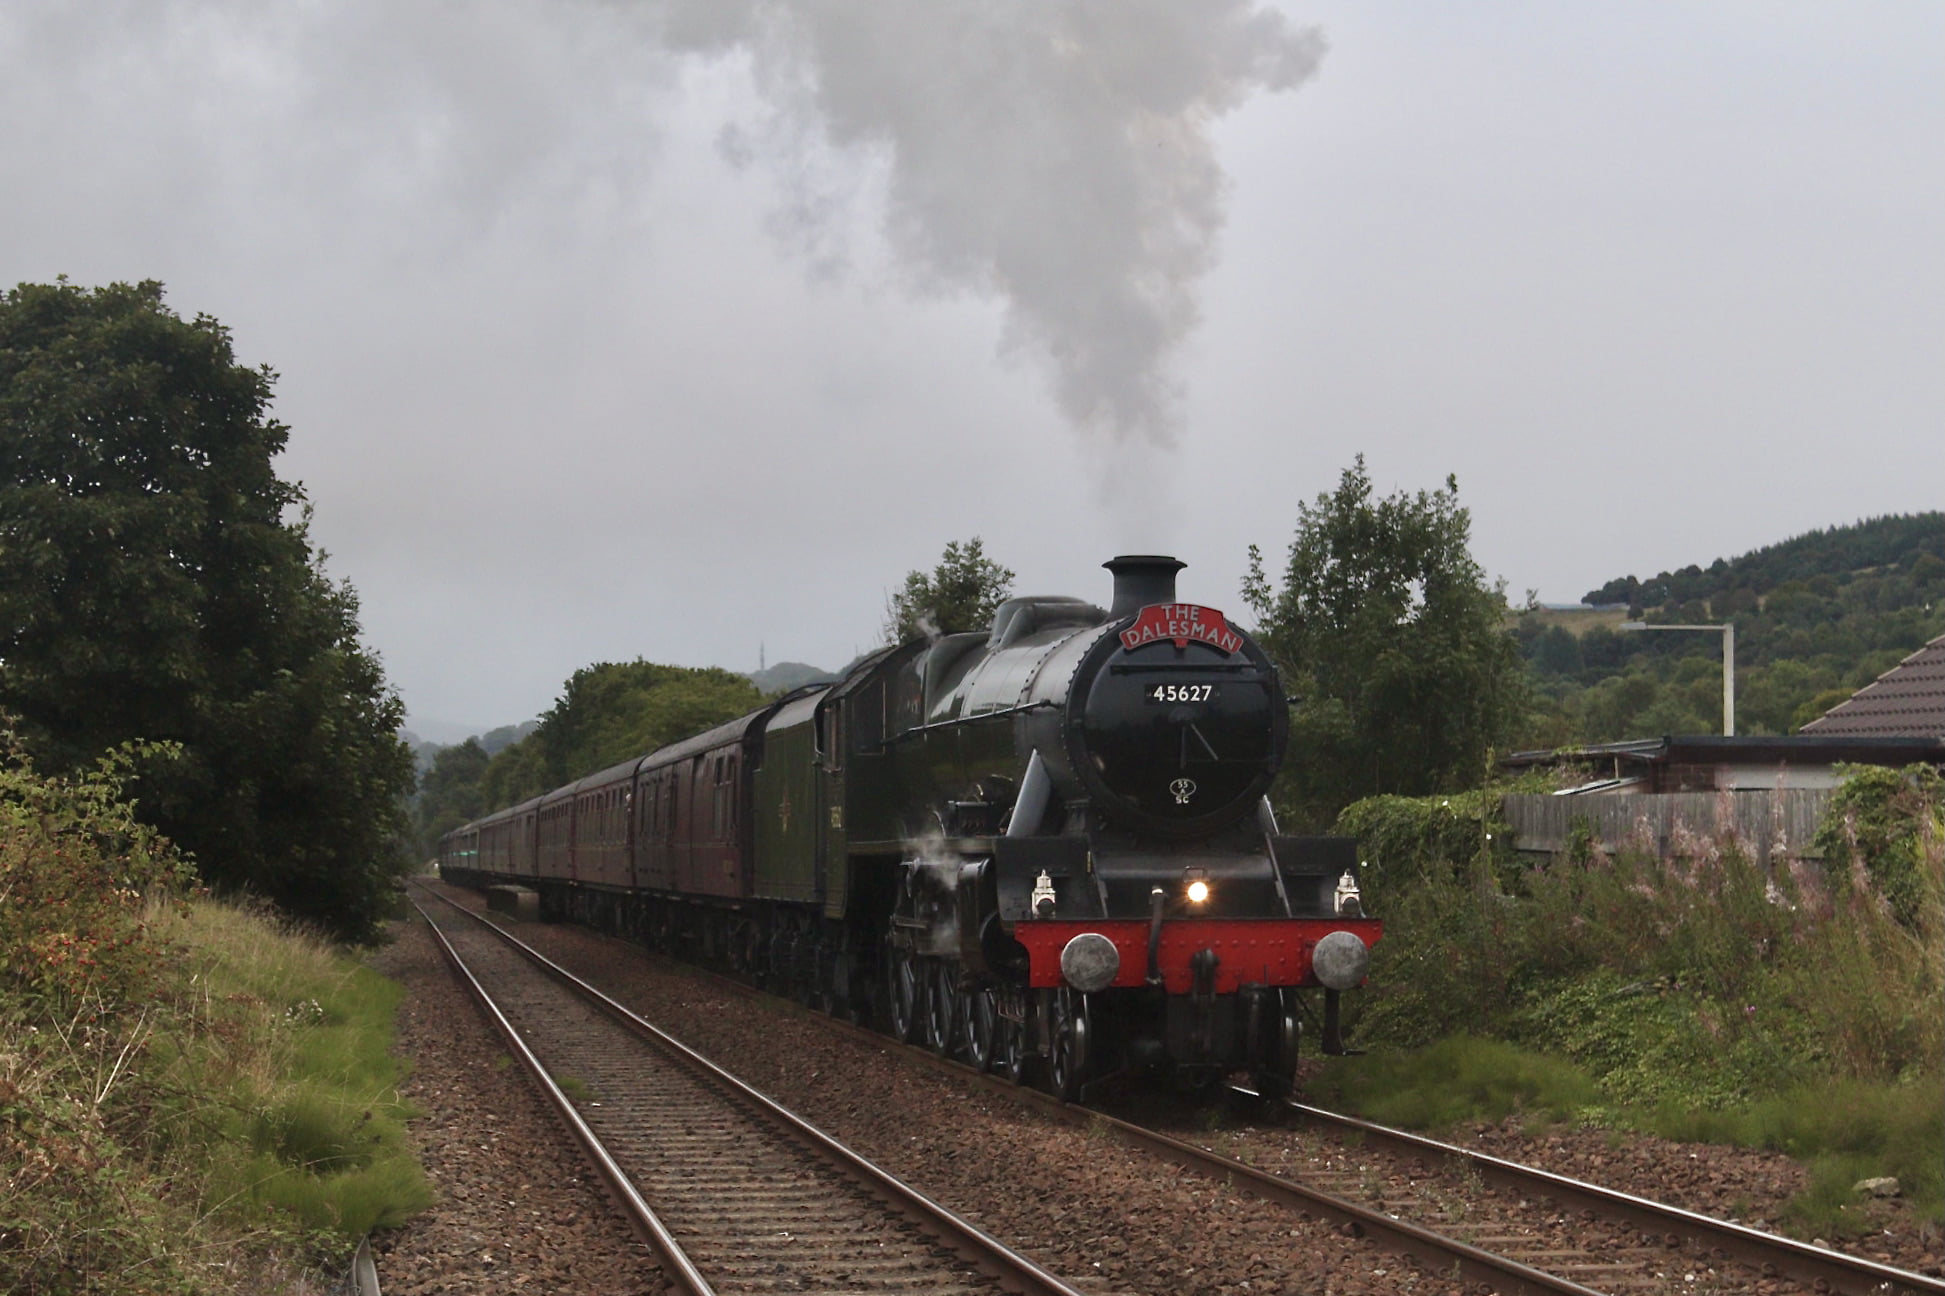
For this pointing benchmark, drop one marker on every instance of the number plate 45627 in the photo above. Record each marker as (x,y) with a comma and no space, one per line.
(1180,693)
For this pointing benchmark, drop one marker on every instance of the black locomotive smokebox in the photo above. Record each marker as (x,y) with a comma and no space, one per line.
(1141,579)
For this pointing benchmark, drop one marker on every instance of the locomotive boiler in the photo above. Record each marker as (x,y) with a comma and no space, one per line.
(1044,846)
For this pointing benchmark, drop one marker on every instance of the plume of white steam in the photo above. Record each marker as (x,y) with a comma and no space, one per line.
(1052,153)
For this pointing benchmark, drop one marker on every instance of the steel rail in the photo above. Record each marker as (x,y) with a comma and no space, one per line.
(989,1255)
(640,1215)
(1437,1252)
(1848,1275)
(1851,1275)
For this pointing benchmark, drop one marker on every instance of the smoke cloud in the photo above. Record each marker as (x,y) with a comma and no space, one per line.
(1053,155)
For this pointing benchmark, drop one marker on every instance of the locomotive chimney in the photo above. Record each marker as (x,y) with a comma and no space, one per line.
(1141,579)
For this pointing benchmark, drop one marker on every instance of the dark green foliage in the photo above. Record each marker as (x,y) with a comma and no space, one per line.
(1555,651)
(1407,842)
(449,792)
(1886,822)
(1696,982)
(608,713)
(1392,646)
(151,587)
(960,594)
(1905,540)
(1817,617)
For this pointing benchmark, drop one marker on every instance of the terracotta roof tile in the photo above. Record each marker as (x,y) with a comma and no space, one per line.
(1906,701)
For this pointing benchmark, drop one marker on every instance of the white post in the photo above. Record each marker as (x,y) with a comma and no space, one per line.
(1728,679)
(1728,629)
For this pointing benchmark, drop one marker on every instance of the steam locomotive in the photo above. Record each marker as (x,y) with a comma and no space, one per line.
(1044,847)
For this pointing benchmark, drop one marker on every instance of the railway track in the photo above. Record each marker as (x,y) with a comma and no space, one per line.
(732,1192)
(1579,1235)
(1678,1234)
(1506,1226)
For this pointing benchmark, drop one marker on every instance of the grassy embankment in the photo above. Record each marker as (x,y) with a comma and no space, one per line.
(1701,996)
(192,1099)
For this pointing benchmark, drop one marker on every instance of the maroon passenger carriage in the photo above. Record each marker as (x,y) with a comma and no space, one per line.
(1044,846)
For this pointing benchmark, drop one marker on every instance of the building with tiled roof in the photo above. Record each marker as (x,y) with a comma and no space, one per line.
(1907,701)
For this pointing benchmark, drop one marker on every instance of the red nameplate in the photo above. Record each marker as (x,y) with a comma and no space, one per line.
(1185,623)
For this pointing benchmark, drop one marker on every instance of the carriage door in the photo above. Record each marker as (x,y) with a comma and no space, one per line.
(833,862)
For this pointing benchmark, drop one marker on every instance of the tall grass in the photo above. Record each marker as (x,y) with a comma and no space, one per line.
(1698,990)
(280,1088)
(192,1099)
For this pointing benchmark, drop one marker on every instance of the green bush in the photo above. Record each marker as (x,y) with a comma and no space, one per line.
(1695,982)
(76,869)
(1884,821)
(1406,842)
(191,1099)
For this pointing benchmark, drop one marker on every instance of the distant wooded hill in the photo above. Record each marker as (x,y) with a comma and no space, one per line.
(1817,616)
(784,676)
(1904,541)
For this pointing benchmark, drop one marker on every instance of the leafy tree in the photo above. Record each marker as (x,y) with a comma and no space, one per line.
(609,712)
(1392,647)
(151,587)
(449,792)
(1817,706)
(959,594)
(493,741)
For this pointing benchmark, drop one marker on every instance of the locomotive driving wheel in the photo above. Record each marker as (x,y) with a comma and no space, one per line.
(904,993)
(941,1003)
(1013,1045)
(979,1023)
(1067,1040)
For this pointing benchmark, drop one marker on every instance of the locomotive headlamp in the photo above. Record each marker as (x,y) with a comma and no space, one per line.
(1198,889)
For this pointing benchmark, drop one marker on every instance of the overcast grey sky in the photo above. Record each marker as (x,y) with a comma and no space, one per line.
(675,329)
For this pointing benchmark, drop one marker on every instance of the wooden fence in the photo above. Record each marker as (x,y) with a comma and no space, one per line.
(1768,823)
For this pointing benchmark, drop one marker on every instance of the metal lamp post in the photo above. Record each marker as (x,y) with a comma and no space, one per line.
(1728,629)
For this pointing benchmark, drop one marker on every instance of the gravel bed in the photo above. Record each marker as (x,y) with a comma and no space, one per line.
(518,1209)
(1106,1217)
(1103,1217)
(1728,1183)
